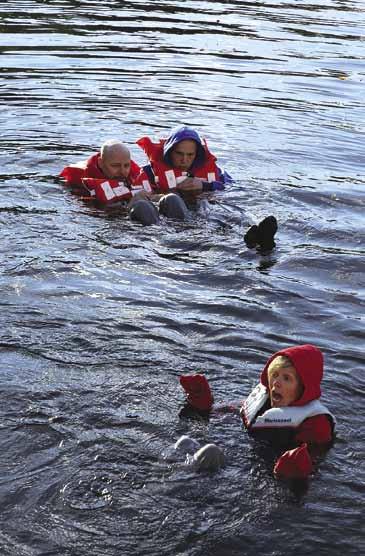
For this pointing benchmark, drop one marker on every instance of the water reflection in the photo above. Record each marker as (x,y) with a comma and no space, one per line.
(99,317)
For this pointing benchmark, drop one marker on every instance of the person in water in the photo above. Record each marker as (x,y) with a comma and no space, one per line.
(182,166)
(284,409)
(112,178)
(182,162)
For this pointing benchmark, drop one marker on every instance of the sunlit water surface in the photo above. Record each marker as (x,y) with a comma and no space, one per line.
(99,316)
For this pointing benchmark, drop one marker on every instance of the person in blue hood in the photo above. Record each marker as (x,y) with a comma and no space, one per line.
(182,167)
(182,162)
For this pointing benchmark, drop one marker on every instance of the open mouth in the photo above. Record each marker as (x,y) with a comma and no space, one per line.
(275,396)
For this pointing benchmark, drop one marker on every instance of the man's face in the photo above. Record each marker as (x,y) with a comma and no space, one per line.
(116,165)
(285,386)
(183,154)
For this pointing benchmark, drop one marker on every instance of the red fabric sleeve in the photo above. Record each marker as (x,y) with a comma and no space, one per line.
(294,464)
(297,463)
(153,150)
(314,430)
(197,389)
(73,175)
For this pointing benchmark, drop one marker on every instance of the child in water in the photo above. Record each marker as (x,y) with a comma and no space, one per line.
(284,409)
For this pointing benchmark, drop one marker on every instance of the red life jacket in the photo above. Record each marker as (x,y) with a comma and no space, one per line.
(168,177)
(88,174)
(89,168)
(110,191)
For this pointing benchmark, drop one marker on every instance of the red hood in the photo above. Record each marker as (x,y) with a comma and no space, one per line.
(308,362)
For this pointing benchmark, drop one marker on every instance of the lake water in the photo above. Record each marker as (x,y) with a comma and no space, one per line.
(100,316)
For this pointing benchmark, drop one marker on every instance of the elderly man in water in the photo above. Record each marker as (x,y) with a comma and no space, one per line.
(114,160)
(111,178)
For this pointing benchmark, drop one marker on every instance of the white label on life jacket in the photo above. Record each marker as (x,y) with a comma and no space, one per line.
(136,189)
(211,176)
(146,186)
(121,190)
(181,178)
(171,180)
(108,191)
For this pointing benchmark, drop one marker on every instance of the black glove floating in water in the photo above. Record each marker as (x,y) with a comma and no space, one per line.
(262,236)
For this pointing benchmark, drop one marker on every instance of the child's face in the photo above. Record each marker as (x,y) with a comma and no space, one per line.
(285,386)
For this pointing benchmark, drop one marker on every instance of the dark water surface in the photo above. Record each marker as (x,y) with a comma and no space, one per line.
(100,316)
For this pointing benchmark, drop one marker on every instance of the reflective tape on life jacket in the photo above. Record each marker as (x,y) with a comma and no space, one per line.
(167,177)
(75,173)
(111,191)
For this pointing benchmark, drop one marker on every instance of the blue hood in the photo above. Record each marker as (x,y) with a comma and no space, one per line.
(181,133)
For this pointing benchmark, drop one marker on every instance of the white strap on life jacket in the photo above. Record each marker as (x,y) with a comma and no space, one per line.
(108,190)
(254,402)
(120,190)
(146,186)
(289,416)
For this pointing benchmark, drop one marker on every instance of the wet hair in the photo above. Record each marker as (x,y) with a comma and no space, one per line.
(280,362)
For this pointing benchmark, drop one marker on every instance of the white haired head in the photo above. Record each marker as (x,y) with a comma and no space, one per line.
(115,159)
(113,146)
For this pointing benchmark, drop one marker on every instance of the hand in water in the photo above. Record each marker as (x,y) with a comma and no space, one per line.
(294,464)
(197,390)
(190,185)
